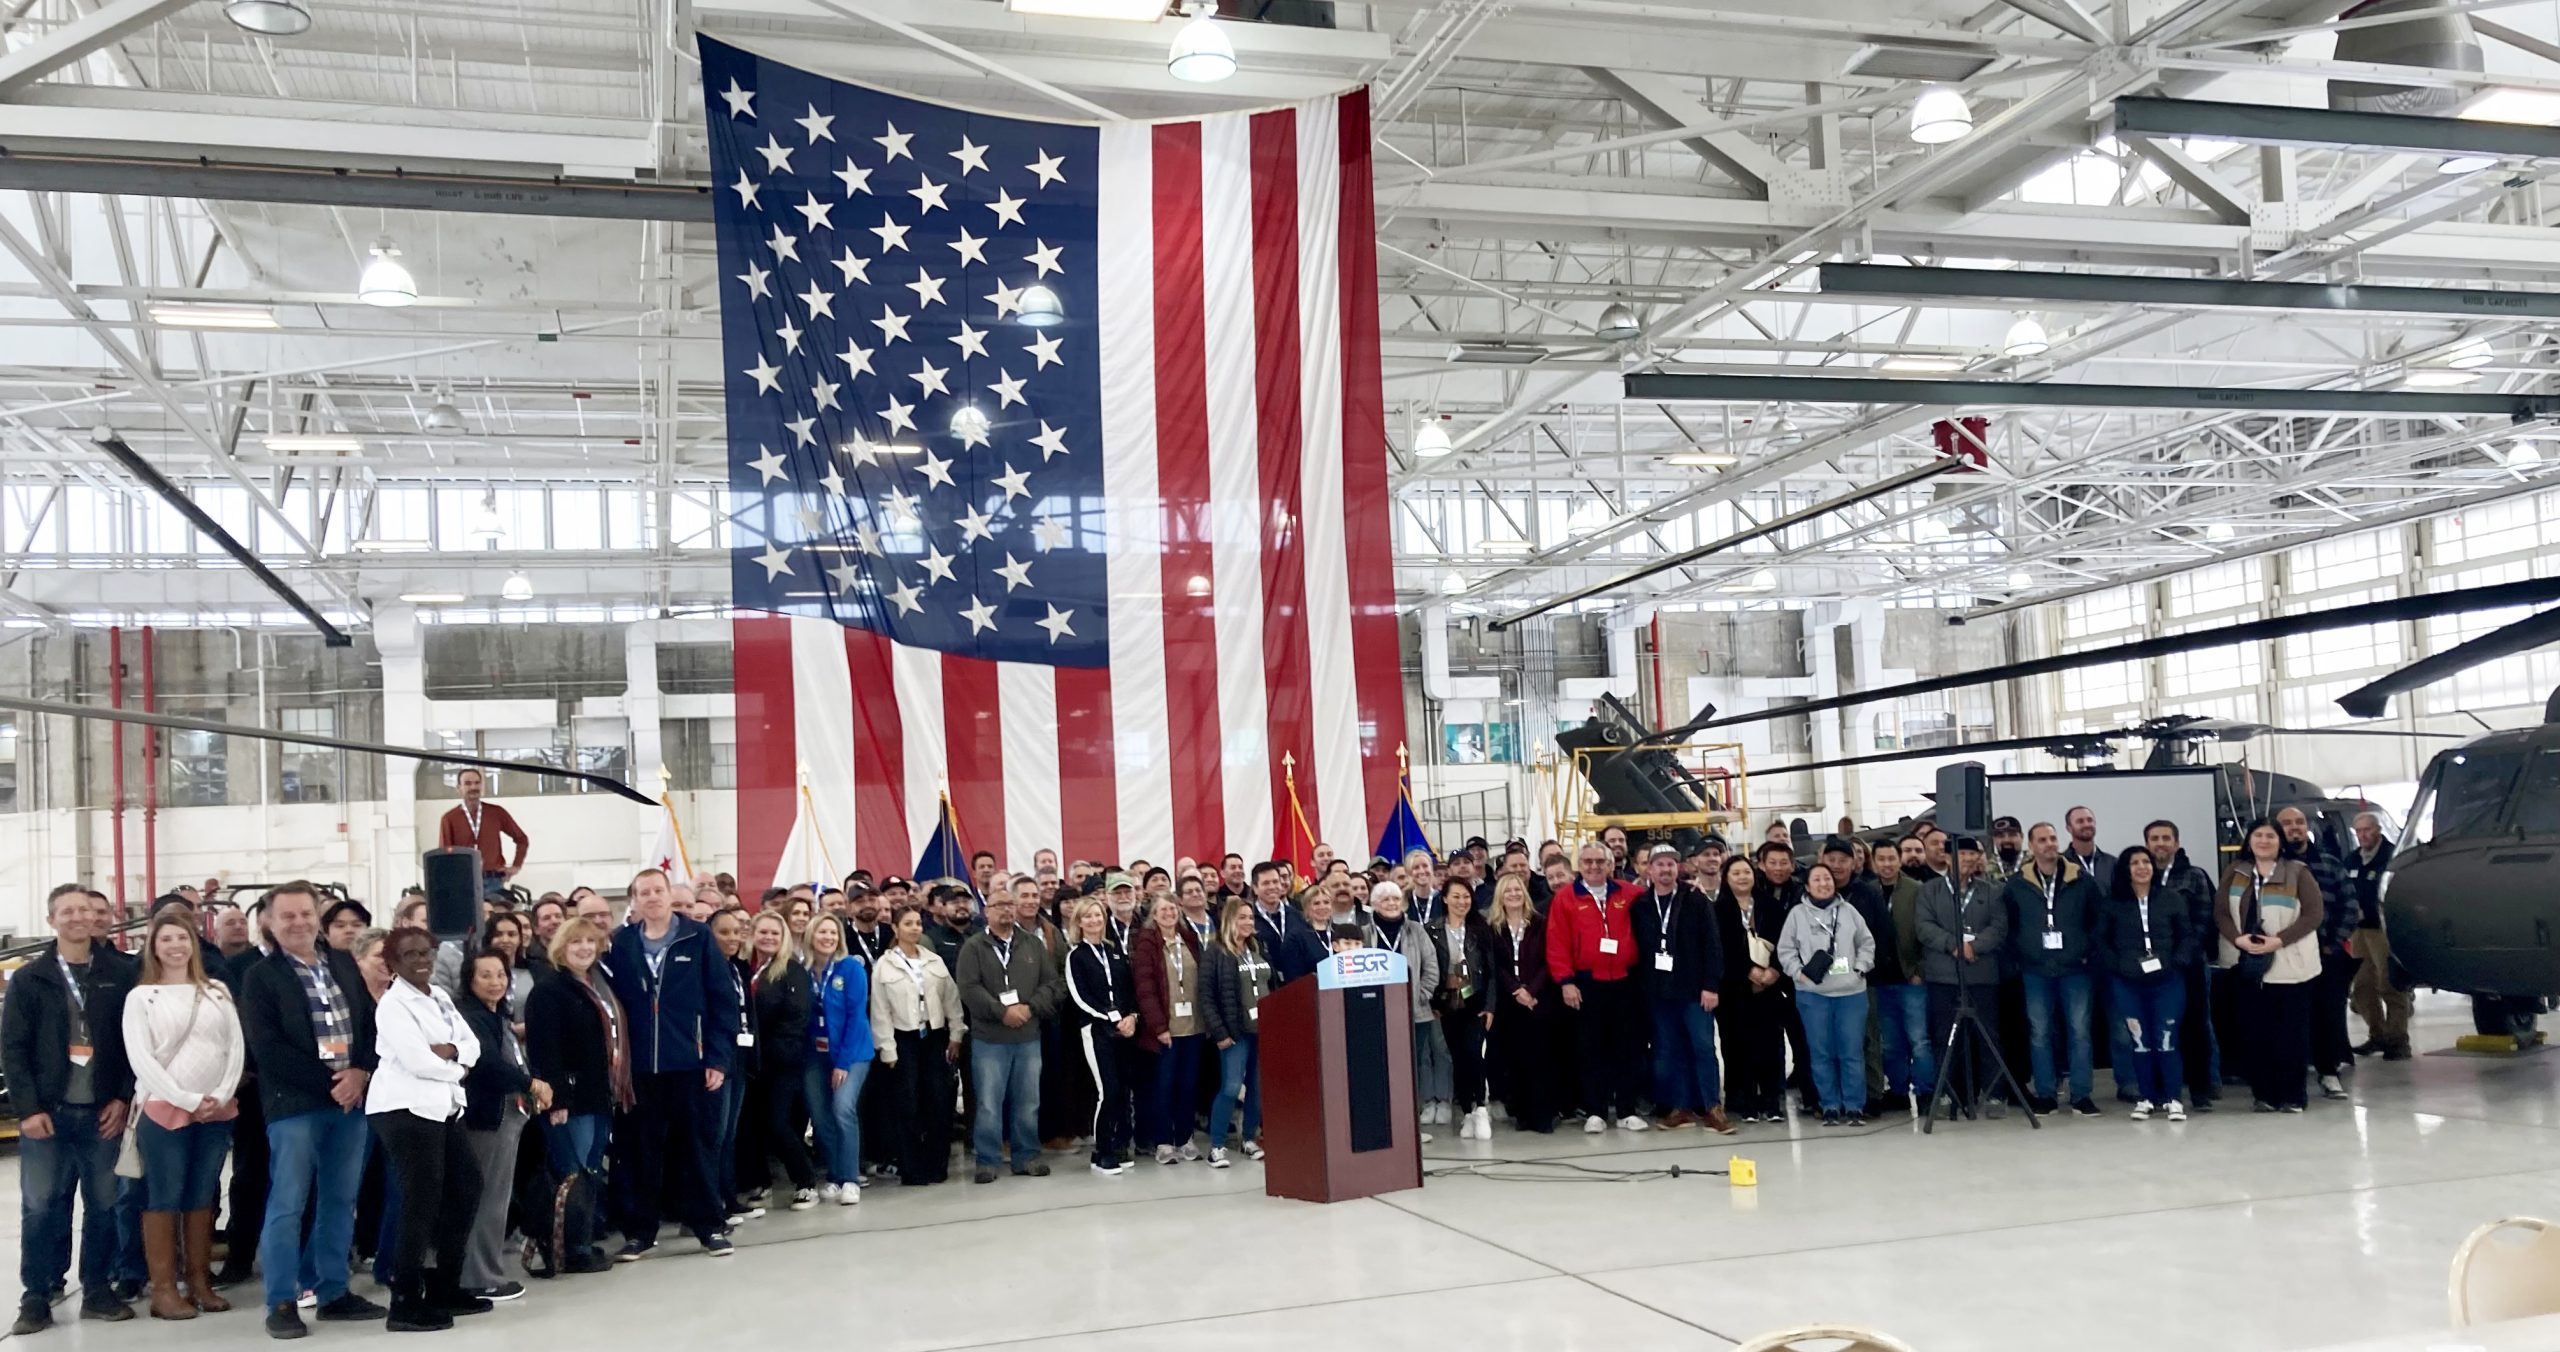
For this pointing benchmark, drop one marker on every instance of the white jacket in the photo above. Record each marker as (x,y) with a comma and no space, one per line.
(178,1062)
(411,1078)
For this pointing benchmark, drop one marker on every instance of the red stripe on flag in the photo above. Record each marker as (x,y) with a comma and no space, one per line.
(1376,659)
(1088,800)
(768,777)
(879,758)
(1286,672)
(1192,722)
(973,751)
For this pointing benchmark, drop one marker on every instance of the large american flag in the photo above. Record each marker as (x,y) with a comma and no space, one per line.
(1102,577)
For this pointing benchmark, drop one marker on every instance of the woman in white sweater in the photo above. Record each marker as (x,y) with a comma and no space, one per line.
(183,1036)
(415,1102)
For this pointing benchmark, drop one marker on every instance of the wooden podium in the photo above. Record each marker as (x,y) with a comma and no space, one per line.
(1337,1081)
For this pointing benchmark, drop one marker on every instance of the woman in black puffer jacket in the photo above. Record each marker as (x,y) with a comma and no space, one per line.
(775,1121)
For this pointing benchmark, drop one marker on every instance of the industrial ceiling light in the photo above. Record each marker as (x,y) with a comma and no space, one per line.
(2437,378)
(2465,164)
(1940,115)
(342,443)
(1784,435)
(1201,53)
(433,598)
(2220,533)
(2521,454)
(1497,354)
(269,18)
(969,423)
(2470,355)
(1618,324)
(2027,338)
(183,315)
(1455,584)
(1037,307)
(1430,441)
(487,527)
(1920,363)
(386,281)
(2020,579)
(442,416)
(518,587)
(1702,459)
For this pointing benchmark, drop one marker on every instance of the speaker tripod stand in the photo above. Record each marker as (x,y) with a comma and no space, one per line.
(1968,1023)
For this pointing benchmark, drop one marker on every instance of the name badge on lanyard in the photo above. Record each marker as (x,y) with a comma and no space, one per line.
(2052,936)
(2150,961)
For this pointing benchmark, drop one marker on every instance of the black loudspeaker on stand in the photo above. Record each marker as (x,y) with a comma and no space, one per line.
(1964,799)
(453,893)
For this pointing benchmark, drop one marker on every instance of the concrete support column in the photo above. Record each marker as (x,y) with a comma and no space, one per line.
(403,649)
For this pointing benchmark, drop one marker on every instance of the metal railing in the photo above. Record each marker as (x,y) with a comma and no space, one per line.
(1452,818)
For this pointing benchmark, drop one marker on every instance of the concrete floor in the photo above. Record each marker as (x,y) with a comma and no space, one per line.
(2235,1232)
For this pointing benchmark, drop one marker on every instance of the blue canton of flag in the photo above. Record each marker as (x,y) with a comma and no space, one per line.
(914,395)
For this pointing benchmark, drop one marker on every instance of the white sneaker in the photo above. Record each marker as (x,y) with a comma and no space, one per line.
(848,1195)
(1253,1150)
(2141,1111)
(2177,1111)
(1466,1126)
(2331,1087)
(1110,1170)
(827,1192)
(1595,1124)
(1165,1155)
(1189,1151)
(1217,1157)
(1484,1123)
(804,1199)
(1634,1122)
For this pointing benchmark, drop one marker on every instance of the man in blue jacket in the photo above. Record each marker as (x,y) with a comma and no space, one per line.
(62,1037)
(680,1002)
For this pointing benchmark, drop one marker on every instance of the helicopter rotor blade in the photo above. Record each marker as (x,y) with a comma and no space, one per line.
(181,723)
(2046,743)
(2373,699)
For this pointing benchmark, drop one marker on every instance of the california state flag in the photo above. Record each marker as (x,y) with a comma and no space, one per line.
(667,850)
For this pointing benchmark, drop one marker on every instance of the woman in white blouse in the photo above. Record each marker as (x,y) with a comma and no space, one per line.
(916,1024)
(183,1036)
(415,1102)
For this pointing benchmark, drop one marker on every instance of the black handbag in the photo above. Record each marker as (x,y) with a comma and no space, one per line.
(1819,965)
(2253,966)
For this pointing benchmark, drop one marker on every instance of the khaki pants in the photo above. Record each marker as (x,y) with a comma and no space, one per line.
(2384,1009)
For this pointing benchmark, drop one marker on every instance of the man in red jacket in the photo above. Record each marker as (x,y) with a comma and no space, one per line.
(1591,952)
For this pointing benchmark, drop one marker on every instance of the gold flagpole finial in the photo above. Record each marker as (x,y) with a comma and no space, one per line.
(1402,767)
(804,774)
(1289,766)
(666,777)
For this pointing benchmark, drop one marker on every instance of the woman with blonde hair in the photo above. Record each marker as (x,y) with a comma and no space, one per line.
(840,1053)
(775,1122)
(1235,975)
(1519,1047)
(183,1036)
(578,1042)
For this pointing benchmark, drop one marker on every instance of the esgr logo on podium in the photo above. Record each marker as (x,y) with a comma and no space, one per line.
(1361,967)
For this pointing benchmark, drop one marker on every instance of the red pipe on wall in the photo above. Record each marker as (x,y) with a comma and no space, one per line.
(150,782)
(115,754)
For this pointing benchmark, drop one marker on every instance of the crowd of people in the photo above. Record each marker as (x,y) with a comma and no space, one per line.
(556,1087)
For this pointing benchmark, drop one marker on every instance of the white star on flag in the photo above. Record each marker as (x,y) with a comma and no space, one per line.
(855,269)
(1050,168)
(1044,349)
(930,194)
(832,481)
(976,525)
(815,213)
(770,464)
(755,277)
(777,156)
(1057,624)
(803,431)
(776,561)
(789,335)
(929,377)
(823,393)
(935,469)
(846,575)
(973,342)
(767,375)
(856,179)
(900,417)
(1008,388)
(981,616)
(1007,207)
(892,235)
(895,143)
(908,600)
(900,504)
(816,124)
(970,248)
(892,326)
(928,289)
(936,564)
(866,540)
(856,357)
(1044,256)
(1007,299)
(745,188)
(1015,572)
(785,246)
(971,156)
(972,432)
(742,102)
(1048,533)
(1052,442)
(1015,482)
(818,301)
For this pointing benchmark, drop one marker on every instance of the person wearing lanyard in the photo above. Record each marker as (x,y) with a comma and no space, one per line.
(1100,996)
(729,935)
(1827,949)
(682,1000)
(776,1120)
(838,1066)
(1591,953)
(1008,987)
(2269,919)
(486,827)
(1522,1046)
(2053,901)
(1465,948)
(1164,964)
(1235,975)
(2144,936)
(499,1094)
(415,1103)
(915,1015)
(63,1032)
(1680,960)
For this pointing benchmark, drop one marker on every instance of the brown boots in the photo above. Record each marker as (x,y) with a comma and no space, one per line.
(160,1256)
(199,1256)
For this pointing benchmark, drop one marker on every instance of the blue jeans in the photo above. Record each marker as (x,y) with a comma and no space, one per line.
(1175,1092)
(841,1105)
(1684,1057)
(1239,1081)
(733,1100)
(2149,1010)
(577,1145)
(1910,1055)
(1007,1076)
(1835,1031)
(315,1162)
(2071,990)
(182,1169)
(51,1172)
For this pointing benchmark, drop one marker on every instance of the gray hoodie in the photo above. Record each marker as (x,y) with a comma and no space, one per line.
(1836,928)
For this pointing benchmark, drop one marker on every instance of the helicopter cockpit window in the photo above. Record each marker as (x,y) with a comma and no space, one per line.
(2463,796)
(2538,803)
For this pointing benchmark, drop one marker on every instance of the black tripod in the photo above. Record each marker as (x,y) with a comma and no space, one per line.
(1967,1021)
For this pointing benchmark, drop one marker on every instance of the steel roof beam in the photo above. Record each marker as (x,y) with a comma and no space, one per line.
(1679,388)
(2281,125)
(2208,293)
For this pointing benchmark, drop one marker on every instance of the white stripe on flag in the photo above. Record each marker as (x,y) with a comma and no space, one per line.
(1235,489)
(1027,716)
(1125,269)
(1342,808)
(822,731)
(916,674)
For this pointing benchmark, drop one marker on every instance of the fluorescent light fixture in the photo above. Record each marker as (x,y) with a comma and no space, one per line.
(1618,324)
(2027,338)
(378,546)
(1920,363)
(1497,354)
(343,442)
(269,18)
(188,315)
(1940,115)
(385,280)
(1126,11)
(1201,53)
(518,587)
(1702,459)
(2437,378)
(2470,355)
(2465,164)
(2532,107)
(434,598)
(1038,308)
(1504,546)
(1430,441)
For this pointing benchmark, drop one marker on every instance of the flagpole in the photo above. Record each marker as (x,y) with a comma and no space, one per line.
(809,808)
(666,780)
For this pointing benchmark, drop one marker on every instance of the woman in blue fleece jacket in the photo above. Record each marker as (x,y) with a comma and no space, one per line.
(840,1060)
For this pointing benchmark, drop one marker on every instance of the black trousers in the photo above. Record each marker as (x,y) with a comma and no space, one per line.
(430,1164)
(663,1149)
(920,1106)
(248,1197)
(2276,1026)
(1753,1026)
(1800,1075)
(1108,1062)
(773,1128)
(2196,1039)
(1523,1060)
(1970,1072)
(1616,1035)
(2331,1050)
(1465,1034)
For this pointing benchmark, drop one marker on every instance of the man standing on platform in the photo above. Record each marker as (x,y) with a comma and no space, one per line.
(476,825)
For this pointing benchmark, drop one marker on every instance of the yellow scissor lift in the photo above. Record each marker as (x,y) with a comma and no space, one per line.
(1718,765)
